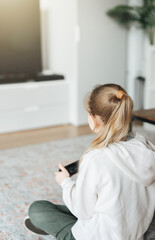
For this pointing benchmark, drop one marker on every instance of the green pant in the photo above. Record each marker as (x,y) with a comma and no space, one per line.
(54,219)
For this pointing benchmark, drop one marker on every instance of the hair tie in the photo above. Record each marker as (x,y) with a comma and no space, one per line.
(120,94)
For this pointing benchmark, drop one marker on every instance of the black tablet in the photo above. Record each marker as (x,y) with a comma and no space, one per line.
(72,168)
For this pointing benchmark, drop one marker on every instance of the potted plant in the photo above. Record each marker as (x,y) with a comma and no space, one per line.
(143,16)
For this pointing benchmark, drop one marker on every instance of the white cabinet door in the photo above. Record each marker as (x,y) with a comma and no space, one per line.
(33,105)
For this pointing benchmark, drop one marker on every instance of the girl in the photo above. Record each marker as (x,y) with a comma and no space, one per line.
(113,197)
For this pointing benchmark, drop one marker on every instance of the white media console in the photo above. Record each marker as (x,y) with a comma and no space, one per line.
(33,105)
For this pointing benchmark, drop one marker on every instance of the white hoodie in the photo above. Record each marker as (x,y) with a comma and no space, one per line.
(114,194)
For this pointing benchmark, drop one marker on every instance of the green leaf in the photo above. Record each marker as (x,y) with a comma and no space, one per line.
(123,14)
(144,15)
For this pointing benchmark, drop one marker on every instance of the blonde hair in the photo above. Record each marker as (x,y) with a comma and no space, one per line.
(114,106)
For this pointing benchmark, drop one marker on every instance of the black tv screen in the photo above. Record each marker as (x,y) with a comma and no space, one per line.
(20,38)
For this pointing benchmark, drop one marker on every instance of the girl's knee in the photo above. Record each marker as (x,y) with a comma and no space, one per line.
(38,212)
(37,206)
(40,206)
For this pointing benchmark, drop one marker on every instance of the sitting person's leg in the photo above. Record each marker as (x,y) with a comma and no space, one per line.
(55,220)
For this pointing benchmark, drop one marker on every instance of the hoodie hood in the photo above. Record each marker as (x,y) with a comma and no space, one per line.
(136,158)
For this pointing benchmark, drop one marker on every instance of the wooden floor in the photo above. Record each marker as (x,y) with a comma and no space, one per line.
(23,138)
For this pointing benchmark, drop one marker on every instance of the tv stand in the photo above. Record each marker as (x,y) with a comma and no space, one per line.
(51,77)
(31,78)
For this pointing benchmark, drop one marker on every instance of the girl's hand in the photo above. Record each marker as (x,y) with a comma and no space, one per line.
(60,176)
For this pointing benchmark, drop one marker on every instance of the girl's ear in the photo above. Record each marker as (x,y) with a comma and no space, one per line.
(95,123)
(91,121)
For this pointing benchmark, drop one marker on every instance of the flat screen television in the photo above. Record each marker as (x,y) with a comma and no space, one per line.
(20,39)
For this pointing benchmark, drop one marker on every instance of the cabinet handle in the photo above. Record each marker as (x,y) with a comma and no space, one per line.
(30,86)
(32,109)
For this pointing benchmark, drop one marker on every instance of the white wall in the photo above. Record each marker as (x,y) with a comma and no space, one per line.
(135,57)
(63,47)
(87,47)
(97,57)
(62,36)
(102,49)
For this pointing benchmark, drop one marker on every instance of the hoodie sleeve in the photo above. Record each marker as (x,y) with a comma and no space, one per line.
(81,196)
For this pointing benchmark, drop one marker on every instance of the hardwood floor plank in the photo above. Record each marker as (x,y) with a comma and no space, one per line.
(16,139)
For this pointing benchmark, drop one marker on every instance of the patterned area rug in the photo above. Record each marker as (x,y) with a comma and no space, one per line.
(27,174)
